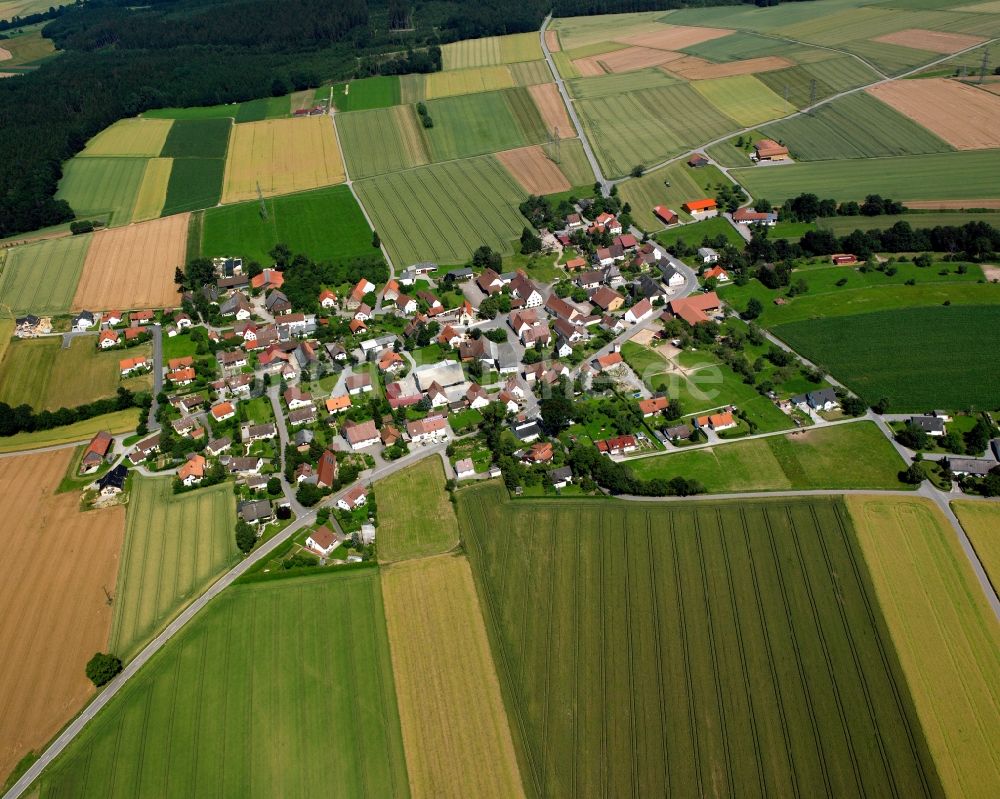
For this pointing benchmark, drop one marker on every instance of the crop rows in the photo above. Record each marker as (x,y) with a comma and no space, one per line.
(375,141)
(41,278)
(706,649)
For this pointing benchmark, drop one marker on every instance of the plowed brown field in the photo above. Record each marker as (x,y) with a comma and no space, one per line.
(674,37)
(930,205)
(694,68)
(55,614)
(550,106)
(530,167)
(133,266)
(455,728)
(627,60)
(552,41)
(962,115)
(934,41)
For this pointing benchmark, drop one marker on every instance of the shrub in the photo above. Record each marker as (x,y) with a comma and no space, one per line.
(102,668)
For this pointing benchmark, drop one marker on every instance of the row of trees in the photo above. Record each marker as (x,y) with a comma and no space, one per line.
(24,419)
(807,207)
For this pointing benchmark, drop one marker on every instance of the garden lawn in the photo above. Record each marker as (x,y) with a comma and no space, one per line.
(41,278)
(175,546)
(917,358)
(325,225)
(415,517)
(685,649)
(846,456)
(693,234)
(359,95)
(256,665)
(939,176)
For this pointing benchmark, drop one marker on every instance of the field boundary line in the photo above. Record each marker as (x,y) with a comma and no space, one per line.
(761,778)
(807,694)
(633,755)
(548,653)
(225,690)
(604,660)
(198,712)
(807,585)
(375,584)
(139,761)
(657,648)
(577,638)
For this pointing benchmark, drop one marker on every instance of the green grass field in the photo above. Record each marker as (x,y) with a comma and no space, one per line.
(325,224)
(650,125)
(415,516)
(194,183)
(302,664)
(842,225)
(864,291)
(228,111)
(27,49)
(856,126)
(359,95)
(40,373)
(102,187)
(892,354)
(41,278)
(473,124)
(941,176)
(696,232)
(198,138)
(847,456)
(117,422)
(264,108)
(651,190)
(692,649)
(531,73)
(744,98)
(175,546)
(589,88)
(981,522)
(444,212)
(382,140)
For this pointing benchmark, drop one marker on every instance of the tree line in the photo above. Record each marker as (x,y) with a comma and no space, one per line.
(24,419)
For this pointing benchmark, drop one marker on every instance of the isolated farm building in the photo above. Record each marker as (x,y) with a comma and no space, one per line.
(84,320)
(236,305)
(338,403)
(128,366)
(358,384)
(701,209)
(358,293)
(523,289)
(696,308)
(769,150)
(489,282)
(666,215)
(327,469)
(113,482)
(465,469)
(619,445)
(255,511)
(96,452)
(718,274)
(327,299)
(323,540)
(707,255)
(929,424)
(607,299)
(653,406)
(748,216)
(697,161)
(843,259)
(353,499)
(975,467)
(361,435)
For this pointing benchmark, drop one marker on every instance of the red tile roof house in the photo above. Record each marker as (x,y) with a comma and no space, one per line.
(627,241)
(522,321)
(268,279)
(361,435)
(192,471)
(717,421)
(129,366)
(181,377)
(617,446)
(354,498)
(327,469)
(608,223)
(667,216)
(695,309)
(327,299)
(223,411)
(489,282)
(652,406)
(540,452)
(95,453)
(426,429)
(639,312)
(402,394)
(769,150)
(391,291)
(574,264)
(180,363)
(560,308)
(107,339)
(608,361)
(843,259)
(135,332)
(535,335)
(323,541)
(701,209)
(449,337)
(717,273)
(358,293)
(390,361)
(607,299)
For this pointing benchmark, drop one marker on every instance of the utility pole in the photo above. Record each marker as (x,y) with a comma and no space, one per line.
(985,66)
(812,92)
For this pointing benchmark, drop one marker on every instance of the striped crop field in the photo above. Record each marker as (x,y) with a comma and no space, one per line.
(744,98)
(648,126)
(418,520)
(382,140)
(153,189)
(443,212)
(856,126)
(135,137)
(945,632)
(645,193)
(41,278)
(981,522)
(102,187)
(491,51)
(467,81)
(279,688)
(695,649)
(589,88)
(174,547)
(530,73)
(966,175)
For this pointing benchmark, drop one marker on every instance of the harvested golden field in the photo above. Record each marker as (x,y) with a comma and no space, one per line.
(553,111)
(552,41)
(673,37)
(981,522)
(131,137)
(455,730)
(530,167)
(467,81)
(627,60)
(962,115)
(133,266)
(283,156)
(56,615)
(153,189)
(945,633)
(934,41)
(694,68)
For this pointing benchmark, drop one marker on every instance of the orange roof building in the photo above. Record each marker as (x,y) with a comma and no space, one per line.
(694,309)
(770,150)
(338,404)
(699,206)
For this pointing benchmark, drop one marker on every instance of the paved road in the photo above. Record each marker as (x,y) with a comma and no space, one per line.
(568,101)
